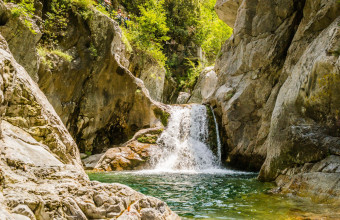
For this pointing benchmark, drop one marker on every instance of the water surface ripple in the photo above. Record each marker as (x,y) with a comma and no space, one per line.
(217,195)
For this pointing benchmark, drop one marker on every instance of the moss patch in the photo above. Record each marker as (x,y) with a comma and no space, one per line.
(162,115)
(151,139)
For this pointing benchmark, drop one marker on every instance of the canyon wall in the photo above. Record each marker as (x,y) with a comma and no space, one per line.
(41,175)
(98,99)
(278,91)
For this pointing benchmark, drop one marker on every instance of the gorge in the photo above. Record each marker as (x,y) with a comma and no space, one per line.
(262,126)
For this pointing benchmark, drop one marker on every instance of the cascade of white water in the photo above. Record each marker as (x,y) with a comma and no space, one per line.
(219,145)
(184,142)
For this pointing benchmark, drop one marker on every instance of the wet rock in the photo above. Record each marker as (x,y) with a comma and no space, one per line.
(138,153)
(183,98)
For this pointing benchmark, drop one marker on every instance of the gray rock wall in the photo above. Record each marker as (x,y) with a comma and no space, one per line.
(278,88)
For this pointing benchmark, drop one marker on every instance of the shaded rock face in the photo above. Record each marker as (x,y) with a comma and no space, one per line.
(41,176)
(91,161)
(277,88)
(153,75)
(249,76)
(322,177)
(100,102)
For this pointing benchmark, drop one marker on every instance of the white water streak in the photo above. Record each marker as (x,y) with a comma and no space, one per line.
(184,142)
(219,145)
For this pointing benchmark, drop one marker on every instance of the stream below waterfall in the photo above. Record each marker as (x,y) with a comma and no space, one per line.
(223,195)
(189,177)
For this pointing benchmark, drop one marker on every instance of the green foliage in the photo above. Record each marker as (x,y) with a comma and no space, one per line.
(126,41)
(83,4)
(182,19)
(211,31)
(44,52)
(133,6)
(55,24)
(103,10)
(149,32)
(151,139)
(229,95)
(25,8)
(193,24)
(43,55)
(189,81)
(162,115)
(63,55)
(93,50)
(57,18)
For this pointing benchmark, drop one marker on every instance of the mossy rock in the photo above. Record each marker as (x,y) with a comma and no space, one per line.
(151,137)
(162,115)
(148,139)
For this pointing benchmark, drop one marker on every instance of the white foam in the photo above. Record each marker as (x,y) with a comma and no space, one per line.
(186,172)
(183,143)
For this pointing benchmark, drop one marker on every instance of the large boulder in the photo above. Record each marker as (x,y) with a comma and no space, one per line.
(104,104)
(205,86)
(141,152)
(278,91)
(41,176)
(227,10)
(150,71)
(183,98)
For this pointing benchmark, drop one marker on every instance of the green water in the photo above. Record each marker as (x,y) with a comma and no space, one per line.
(214,196)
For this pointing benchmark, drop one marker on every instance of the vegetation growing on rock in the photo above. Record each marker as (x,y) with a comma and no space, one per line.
(162,115)
(183,29)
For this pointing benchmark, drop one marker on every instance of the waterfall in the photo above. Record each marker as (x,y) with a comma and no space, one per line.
(219,145)
(184,142)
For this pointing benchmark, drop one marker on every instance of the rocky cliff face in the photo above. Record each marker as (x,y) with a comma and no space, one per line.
(277,90)
(99,100)
(147,69)
(41,176)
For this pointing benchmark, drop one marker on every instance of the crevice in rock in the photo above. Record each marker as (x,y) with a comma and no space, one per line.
(3,19)
(299,6)
(71,124)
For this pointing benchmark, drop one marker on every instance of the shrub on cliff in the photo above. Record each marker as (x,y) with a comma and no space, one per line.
(149,31)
